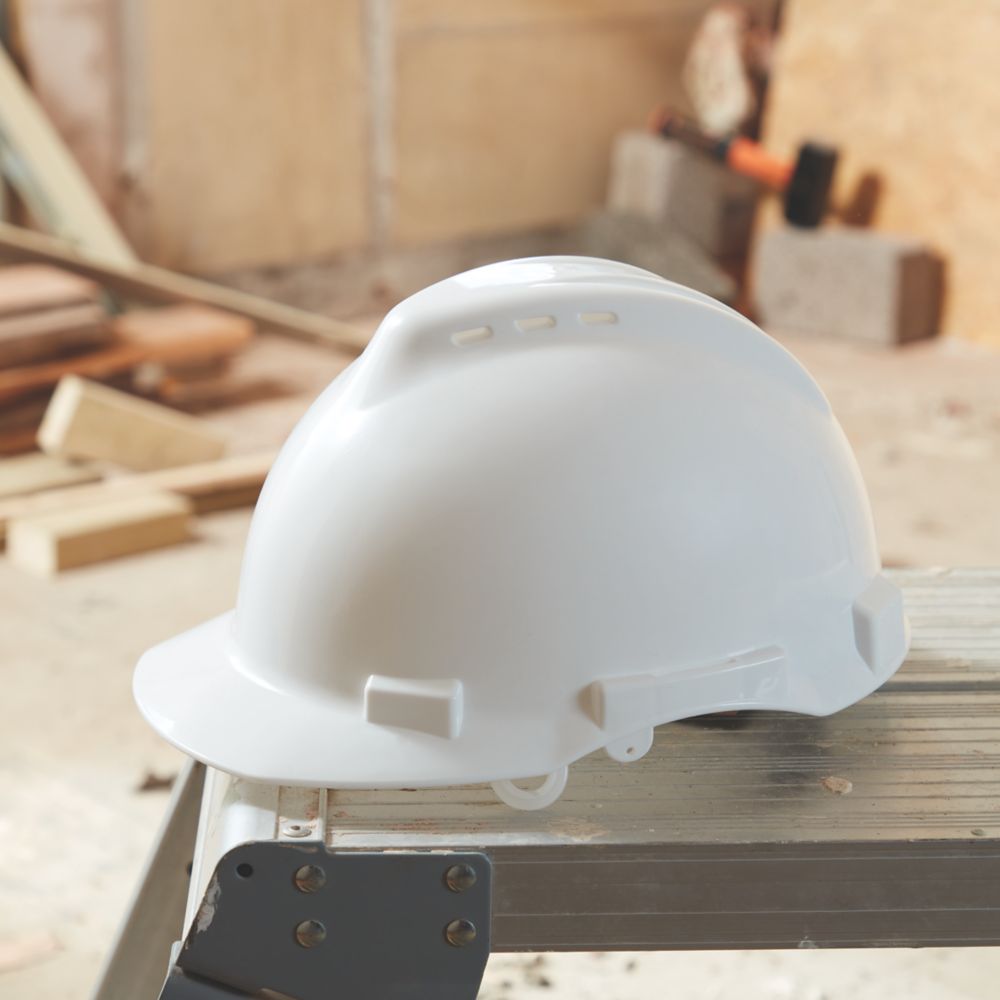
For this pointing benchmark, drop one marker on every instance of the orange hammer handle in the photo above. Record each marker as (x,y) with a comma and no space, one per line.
(749,158)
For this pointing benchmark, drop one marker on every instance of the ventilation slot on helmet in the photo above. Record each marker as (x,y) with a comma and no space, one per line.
(464,338)
(598,318)
(535,323)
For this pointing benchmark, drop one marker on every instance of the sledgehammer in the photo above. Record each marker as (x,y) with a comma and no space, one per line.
(804,185)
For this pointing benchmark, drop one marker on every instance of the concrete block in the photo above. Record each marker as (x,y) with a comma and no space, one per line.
(663,180)
(653,245)
(855,284)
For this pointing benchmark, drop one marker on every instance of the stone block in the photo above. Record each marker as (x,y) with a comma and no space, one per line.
(663,180)
(654,246)
(854,284)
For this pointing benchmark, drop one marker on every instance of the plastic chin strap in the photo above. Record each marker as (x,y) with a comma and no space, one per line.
(532,798)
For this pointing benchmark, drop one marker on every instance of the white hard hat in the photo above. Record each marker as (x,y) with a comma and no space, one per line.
(555,503)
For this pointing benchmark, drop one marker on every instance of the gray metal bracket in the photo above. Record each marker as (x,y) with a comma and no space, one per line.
(301,921)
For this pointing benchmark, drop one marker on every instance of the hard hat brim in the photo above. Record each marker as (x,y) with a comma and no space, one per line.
(193,692)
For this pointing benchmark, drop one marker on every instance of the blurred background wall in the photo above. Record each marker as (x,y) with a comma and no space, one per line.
(227,134)
(908,90)
(234,133)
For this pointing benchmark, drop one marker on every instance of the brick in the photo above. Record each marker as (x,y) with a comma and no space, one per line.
(665,181)
(846,283)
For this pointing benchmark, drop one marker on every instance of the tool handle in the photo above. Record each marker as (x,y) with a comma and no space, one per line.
(741,155)
(744,156)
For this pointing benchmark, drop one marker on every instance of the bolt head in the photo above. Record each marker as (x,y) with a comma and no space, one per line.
(296,829)
(310,933)
(309,878)
(460,933)
(458,878)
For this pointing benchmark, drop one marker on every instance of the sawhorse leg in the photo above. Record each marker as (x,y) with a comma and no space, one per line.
(137,964)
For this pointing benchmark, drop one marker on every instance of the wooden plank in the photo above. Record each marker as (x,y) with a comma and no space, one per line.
(215,331)
(49,543)
(228,482)
(33,473)
(47,333)
(43,171)
(17,440)
(17,383)
(144,281)
(27,287)
(87,420)
(194,335)
(27,412)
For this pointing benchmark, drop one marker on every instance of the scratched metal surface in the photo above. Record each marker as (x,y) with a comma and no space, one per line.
(876,827)
(918,760)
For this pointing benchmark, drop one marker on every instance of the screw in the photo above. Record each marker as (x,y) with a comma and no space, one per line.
(296,830)
(310,933)
(309,878)
(458,878)
(459,933)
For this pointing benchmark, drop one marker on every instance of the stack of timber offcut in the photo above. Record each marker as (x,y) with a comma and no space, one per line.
(105,472)
(116,475)
(45,313)
(55,323)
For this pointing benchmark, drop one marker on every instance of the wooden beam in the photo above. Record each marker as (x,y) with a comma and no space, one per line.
(216,331)
(87,420)
(46,333)
(26,474)
(37,163)
(46,544)
(144,281)
(228,482)
(29,287)
(176,340)
(16,383)
(17,440)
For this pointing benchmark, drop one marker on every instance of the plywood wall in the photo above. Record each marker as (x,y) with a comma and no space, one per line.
(909,90)
(504,112)
(254,139)
(253,132)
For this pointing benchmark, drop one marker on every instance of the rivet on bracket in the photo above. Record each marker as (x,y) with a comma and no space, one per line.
(460,933)
(458,878)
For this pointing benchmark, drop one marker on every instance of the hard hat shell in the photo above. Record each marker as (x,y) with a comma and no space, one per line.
(555,503)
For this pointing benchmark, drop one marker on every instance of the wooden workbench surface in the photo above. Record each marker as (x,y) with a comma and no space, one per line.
(918,759)
(878,825)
